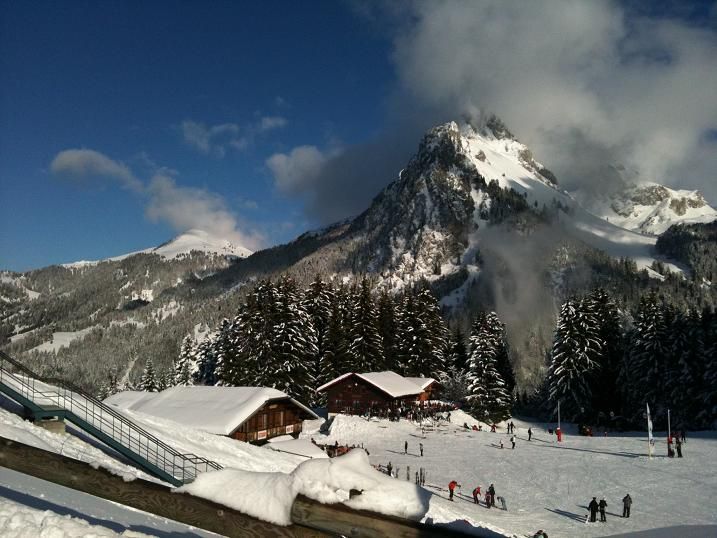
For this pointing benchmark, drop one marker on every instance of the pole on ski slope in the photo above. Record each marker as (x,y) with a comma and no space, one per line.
(669,433)
(650,440)
(558,432)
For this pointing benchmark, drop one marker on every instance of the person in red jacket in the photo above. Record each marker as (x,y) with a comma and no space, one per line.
(452,486)
(476,495)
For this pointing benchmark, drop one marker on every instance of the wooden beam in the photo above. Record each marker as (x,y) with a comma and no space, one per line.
(142,494)
(310,518)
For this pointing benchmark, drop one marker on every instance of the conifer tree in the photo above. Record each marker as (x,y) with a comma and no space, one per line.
(488,395)
(609,331)
(337,359)
(185,363)
(365,348)
(149,382)
(574,358)
(388,327)
(318,300)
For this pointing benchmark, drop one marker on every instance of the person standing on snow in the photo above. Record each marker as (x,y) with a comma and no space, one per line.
(678,447)
(512,440)
(389,468)
(626,504)
(405,447)
(476,495)
(451,487)
(530,434)
(420,446)
(491,493)
(602,505)
(593,507)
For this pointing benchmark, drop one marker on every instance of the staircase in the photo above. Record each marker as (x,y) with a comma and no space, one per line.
(44,398)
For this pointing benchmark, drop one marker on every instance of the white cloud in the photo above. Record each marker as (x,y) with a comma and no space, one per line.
(212,140)
(296,171)
(183,208)
(639,90)
(186,208)
(87,164)
(268,123)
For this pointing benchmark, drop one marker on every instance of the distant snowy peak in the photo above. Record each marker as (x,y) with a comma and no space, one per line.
(201,241)
(183,244)
(649,208)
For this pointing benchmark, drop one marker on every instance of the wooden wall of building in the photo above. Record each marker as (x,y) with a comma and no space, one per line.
(354,396)
(272,420)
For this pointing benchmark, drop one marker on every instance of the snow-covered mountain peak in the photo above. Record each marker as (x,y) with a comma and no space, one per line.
(201,241)
(649,208)
(183,244)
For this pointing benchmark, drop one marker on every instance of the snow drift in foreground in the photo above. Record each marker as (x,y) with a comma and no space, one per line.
(326,480)
(18,521)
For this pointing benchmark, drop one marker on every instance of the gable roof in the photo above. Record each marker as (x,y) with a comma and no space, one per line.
(391,383)
(422,382)
(218,410)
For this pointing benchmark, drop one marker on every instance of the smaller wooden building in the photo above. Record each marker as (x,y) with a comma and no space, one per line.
(357,394)
(253,414)
(430,388)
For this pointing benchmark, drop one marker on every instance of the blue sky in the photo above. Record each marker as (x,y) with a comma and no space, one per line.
(124,123)
(121,78)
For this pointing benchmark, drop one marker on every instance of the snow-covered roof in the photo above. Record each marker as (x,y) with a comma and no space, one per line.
(422,382)
(218,410)
(389,382)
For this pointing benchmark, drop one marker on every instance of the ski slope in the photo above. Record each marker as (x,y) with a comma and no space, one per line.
(548,485)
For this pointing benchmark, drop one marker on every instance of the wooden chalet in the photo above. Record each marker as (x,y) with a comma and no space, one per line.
(357,394)
(430,388)
(253,414)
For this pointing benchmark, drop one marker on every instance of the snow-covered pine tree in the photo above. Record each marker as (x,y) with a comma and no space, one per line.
(337,360)
(488,396)
(708,398)
(365,348)
(185,363)
(436,334)
(574,358)
(387,328)
(206,363)
(647,359)
(457,352)
(149,382)
(502,358)
(610,332)
(294,344)
(317,302)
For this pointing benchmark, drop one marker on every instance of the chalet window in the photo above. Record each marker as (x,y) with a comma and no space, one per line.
(357,404)
(339,403)
(261,422)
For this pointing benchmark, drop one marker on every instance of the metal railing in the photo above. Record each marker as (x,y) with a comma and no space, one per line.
(101,420)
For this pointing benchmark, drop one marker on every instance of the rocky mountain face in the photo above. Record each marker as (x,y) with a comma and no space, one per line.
(473,215)
(649,208)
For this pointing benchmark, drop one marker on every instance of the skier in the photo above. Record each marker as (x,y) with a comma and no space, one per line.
(593,507)
(405,447)
(492,428)
(602,505)
(449,416)
(389,467)
(678,446)
(420,446)
(503,506)
(491,492)
(512,440)
(530,435)
(682,436)
(501,443)
(476,495)
(626,504)
(452,486)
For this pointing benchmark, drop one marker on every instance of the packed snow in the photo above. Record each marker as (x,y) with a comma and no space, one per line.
(547,485)
(62,339)
(389,382)
(218,410)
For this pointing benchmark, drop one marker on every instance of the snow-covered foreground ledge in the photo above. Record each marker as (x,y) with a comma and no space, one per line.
(270,496)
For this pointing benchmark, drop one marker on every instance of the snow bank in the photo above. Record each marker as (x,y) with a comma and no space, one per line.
(302,447)
(18,521)
(325,480)
(267,496)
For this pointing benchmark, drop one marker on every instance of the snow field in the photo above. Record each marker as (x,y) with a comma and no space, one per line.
(19,521)
(546,485)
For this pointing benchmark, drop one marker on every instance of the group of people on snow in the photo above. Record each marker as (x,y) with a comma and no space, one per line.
(594,506)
